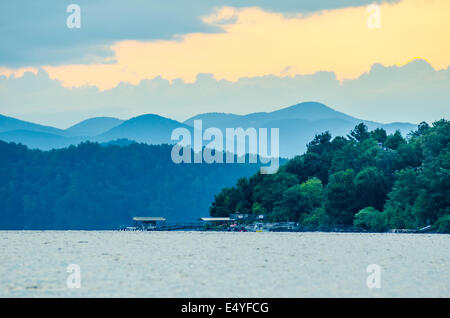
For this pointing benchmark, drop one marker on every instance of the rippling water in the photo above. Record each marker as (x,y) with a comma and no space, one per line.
(212,264)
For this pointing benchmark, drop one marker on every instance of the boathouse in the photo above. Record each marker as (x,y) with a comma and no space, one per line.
(221,220)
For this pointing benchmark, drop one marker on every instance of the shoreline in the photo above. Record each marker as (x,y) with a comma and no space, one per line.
(215,231)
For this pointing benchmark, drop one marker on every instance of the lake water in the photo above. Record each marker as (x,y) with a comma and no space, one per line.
(215,264)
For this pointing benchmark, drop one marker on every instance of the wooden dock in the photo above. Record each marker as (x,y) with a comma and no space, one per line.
(193,226)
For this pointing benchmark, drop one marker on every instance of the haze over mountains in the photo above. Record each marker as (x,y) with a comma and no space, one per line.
(298,124)
(94,126)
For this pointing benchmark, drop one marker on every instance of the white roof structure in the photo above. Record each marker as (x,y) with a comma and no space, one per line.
(215,219)
(148,219)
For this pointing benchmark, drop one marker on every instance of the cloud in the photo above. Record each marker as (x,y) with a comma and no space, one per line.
(180,58)
(34,33)
(258,43)
(413,92)
(289,7)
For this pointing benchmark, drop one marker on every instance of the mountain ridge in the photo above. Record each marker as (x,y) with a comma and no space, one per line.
(93,126)
(147,128)
(297,124)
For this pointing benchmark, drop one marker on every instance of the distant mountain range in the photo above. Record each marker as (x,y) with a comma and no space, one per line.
(93,126)
(298,124)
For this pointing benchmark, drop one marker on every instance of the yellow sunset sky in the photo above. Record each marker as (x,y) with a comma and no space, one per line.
(255,42)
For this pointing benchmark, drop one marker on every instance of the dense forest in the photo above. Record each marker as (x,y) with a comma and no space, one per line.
(93,186)
(367,180)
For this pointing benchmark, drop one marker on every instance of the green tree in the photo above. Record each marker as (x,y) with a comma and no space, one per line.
(298,200)
(258,209)
(345,158)
(245,193)
(395,140)
(224,203)
(320,144)
(359,133)
(313,188)
(293,204)
(379,135)
(442,225)
(317,219)
(341,197)
(409,179)
(399,207)
(421,130)
(371,219)
(371,188)
(271,187)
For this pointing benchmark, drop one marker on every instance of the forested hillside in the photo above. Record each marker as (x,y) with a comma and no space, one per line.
(102,187)
(368,180)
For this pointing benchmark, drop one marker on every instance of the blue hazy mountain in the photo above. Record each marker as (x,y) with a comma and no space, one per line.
(10,124)
(297,124)
(93,126)
(38,140)
(150,129)
(310,111)
(46,137)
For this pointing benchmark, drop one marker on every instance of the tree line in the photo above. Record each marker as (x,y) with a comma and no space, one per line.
(367,180)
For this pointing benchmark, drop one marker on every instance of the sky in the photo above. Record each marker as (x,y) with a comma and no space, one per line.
(384,61)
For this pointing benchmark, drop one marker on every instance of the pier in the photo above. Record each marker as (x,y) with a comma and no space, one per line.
(226,224)
(156,223)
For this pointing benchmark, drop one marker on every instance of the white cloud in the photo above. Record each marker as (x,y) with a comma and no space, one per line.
(411,93)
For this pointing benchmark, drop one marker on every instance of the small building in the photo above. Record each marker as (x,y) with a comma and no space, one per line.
(239,217)
(220,220)
(148,223)
(246,217)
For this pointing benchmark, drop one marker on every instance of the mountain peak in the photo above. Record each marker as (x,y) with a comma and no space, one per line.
(10,123)
(93,126)
(310,111)
(149,128)
(146,117)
